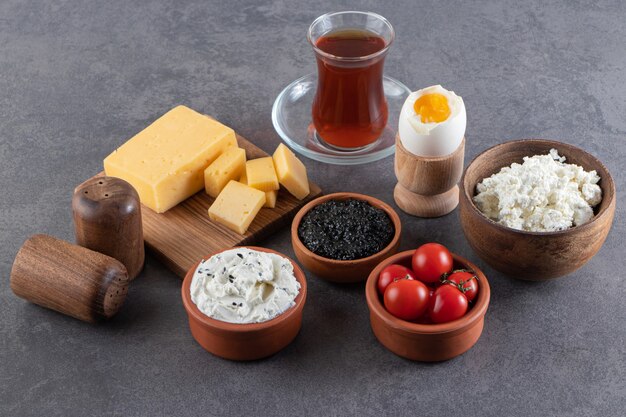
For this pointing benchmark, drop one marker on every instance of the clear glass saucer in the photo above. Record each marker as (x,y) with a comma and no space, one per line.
(291,116)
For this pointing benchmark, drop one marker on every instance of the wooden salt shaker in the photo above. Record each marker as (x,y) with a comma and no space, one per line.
(427,186)
(69,279)
(107,219)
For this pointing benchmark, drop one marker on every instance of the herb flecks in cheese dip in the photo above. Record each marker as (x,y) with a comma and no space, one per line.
(543,194)
(244,286)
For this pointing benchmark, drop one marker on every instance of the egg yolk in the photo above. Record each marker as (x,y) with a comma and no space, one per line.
(433,108)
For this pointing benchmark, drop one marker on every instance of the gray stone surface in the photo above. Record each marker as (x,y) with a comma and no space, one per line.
(78,78)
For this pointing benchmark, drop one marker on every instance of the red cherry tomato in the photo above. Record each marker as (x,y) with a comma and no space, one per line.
(392,273)
(406,299)
(425,318)
(447,304)
(466,282)
(431,261)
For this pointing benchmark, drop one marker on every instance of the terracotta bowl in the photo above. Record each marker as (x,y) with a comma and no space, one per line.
(343,271)
(245,341)
(426,342)
(533,256)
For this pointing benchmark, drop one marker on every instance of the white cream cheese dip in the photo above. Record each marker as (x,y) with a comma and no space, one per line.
(244,286)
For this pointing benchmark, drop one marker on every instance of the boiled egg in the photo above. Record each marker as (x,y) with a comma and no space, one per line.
(432,122)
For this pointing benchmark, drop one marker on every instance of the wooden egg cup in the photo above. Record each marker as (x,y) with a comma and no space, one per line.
(427,186)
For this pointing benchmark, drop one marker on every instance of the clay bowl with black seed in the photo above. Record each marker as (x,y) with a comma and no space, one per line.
(245,342)
(427,342)
(343,271)
(533,256)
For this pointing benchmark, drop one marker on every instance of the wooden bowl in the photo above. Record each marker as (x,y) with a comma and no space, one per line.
(244,342)
(533,256)
(336,270)
(426,342)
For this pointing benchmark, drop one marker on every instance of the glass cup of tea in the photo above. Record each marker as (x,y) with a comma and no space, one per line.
(349,108)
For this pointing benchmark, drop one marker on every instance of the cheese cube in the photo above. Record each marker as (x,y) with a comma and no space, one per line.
(270,196)
(236,206)
(291,172)
(165,162)
(261,174)
(228,166)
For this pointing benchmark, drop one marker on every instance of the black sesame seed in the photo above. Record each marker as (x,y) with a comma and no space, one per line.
(240,255)
(346,229)
(235,304)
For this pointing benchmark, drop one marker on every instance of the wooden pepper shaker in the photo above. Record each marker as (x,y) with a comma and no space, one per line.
(69,279)
(107,219)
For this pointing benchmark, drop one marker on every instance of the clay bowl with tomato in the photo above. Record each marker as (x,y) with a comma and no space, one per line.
(442,313)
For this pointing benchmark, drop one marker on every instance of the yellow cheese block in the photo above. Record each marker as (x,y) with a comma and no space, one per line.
(291,172)
(165,162)
(228,166)
(236,206)
(261,174)
(270,196)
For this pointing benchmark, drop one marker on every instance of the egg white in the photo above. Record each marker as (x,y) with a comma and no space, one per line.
(432,139)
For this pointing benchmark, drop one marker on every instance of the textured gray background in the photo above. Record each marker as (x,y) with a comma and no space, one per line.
(77,79)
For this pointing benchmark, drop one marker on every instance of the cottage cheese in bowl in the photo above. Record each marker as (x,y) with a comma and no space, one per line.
(543,194)
(243,285)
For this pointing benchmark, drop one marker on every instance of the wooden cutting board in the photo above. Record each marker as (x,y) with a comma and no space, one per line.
(184,234)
